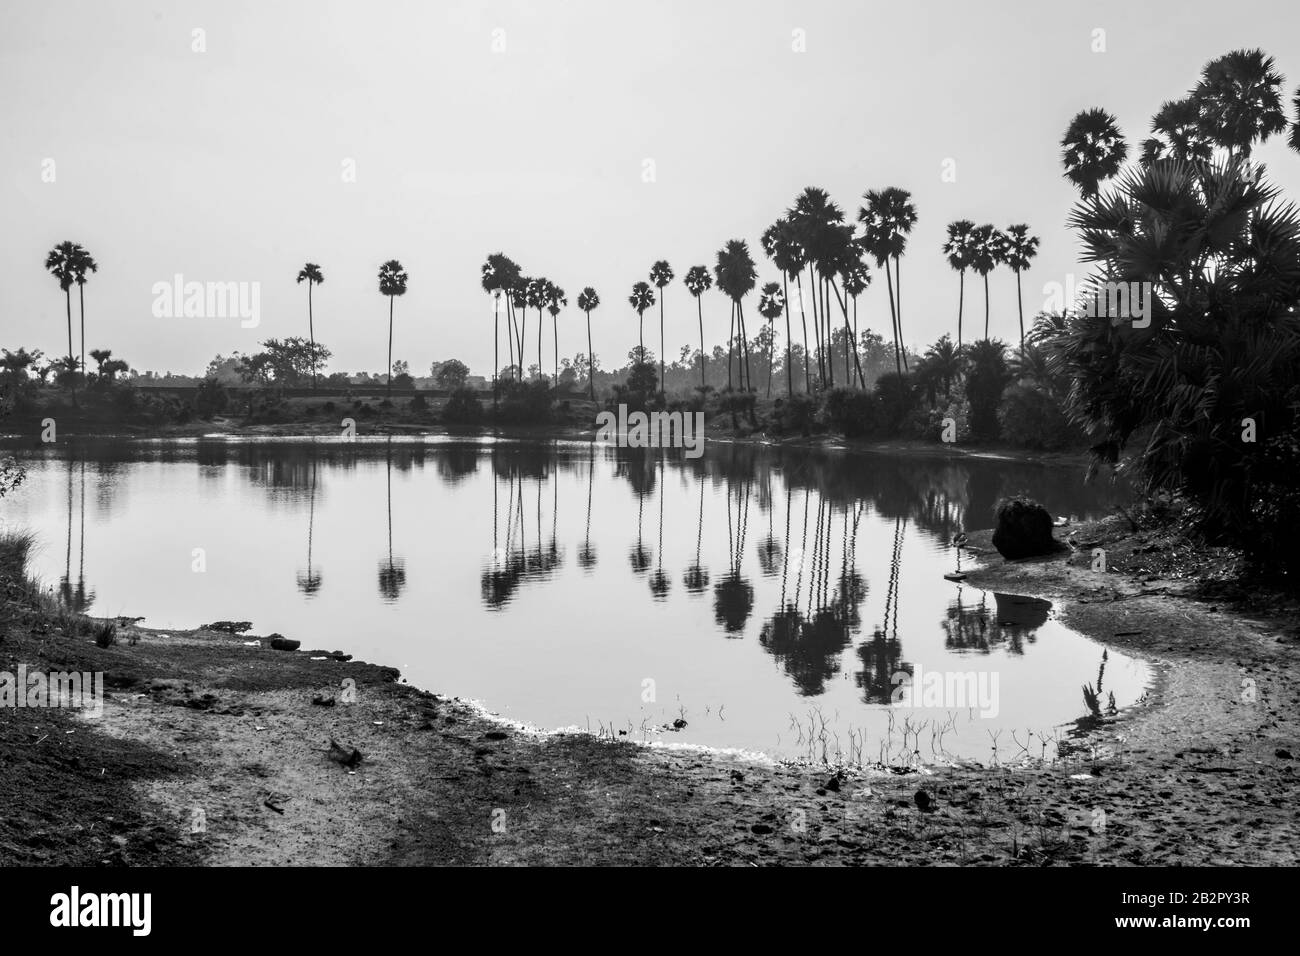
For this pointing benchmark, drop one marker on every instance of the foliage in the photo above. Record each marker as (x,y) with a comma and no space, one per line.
(463,407)
(986,377)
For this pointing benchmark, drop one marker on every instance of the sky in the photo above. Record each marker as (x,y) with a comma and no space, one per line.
(584,139)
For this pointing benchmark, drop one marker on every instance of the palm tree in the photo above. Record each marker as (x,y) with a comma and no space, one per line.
(813,219)
(555,301)
(989,251)
(959,248)
(519,301)
(1179,123)
(641,299)
(771,303)
(311,274)
(698,281)
(392,283)
(588,300)
(84,264)
(1093,150)
(736,277)
(491,280)
(1293,140)
(1240,101)
(782,246)
(536,295)
(856,279)
(944,359)
(887,219)
(1020,248)
(62,263)
(661,273)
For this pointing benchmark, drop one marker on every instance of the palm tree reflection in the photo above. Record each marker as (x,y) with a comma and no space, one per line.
(392,574)
(696,578)
(733,596)
(309,582)
(659,581)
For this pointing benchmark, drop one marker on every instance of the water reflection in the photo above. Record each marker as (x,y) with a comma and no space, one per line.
(830,575)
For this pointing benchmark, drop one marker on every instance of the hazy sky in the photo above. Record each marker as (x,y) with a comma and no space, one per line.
(226,165)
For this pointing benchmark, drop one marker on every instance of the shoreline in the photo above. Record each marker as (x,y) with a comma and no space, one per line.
(231,729)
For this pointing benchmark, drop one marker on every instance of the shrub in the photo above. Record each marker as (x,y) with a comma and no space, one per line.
(210,399)
(798,413)
(1029,416)
(105,634)
(524,403)
(419,403)
(896,399)
(986,377)
(852,413)
(463,407)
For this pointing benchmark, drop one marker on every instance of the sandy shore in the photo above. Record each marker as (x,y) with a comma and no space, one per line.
(204,726)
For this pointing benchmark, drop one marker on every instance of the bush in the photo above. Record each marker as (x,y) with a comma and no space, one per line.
(798,413)
(896,399)
(852,413)
(524,403)
(210,399)
(463,407)
(419,404)
(986,377)
(1029,416)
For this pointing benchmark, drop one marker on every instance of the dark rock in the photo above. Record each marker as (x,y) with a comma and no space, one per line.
(924,802)
(761,829)
(1024,529)
(1283,755)
(320,700)
(347,756)
(281,643)
(679,723)
(496,735)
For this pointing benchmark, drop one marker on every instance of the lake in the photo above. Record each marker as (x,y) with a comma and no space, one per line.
(770,599)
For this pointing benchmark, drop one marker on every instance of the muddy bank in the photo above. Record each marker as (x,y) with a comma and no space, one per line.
(221,729)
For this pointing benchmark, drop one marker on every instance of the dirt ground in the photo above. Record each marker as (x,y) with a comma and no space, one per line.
(211,751)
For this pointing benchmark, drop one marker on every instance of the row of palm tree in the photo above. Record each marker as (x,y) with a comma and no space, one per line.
(71,264)
(502,278)
(982,249)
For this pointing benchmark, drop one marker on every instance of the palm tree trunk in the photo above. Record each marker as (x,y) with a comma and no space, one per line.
(661,341)
(640,317)
(861,378)
(555,333)
(72,377)
(591,362)
(496,357)
(789,342)
(986,307)
(893,318)
(898,276)
(771,344)
(81,298)
(510,330)
(744,341)
(699,309)
(388,388)
(539,343)
(1020,305)
(961,299)
(807,374)
(731,341)
(817,330)
(830,349)
(311,333)
(848,332)
(523,332)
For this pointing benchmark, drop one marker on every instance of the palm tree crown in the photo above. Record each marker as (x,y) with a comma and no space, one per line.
(698,281)
(310,273)
(1240,100)
(1093,149)
(392,278)
(588,299)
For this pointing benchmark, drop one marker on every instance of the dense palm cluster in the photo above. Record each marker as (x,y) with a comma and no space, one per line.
(1205,390)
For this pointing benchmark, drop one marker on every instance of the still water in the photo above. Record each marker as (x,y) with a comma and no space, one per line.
(768,598)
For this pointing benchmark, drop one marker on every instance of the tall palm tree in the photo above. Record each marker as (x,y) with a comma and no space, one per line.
(61,262)
(887,219)
(781,245)
(661,273)
(698,281)
(813,218)
(1178,133)
(491,280)
(555,301)
(1240,101)
(989,253)
(1021,247)
(311,274)
(519,302)
(641,299)
(392,283)
(959,249)
(588,300)
(536,293)
(856,279)
(1093,150)
(736,276)
(771,303)
(84,264)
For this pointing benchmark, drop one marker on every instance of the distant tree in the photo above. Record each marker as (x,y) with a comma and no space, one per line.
(311,274)
(452,374)
(392,283)
(62,263)
(661,273)
(588,300)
